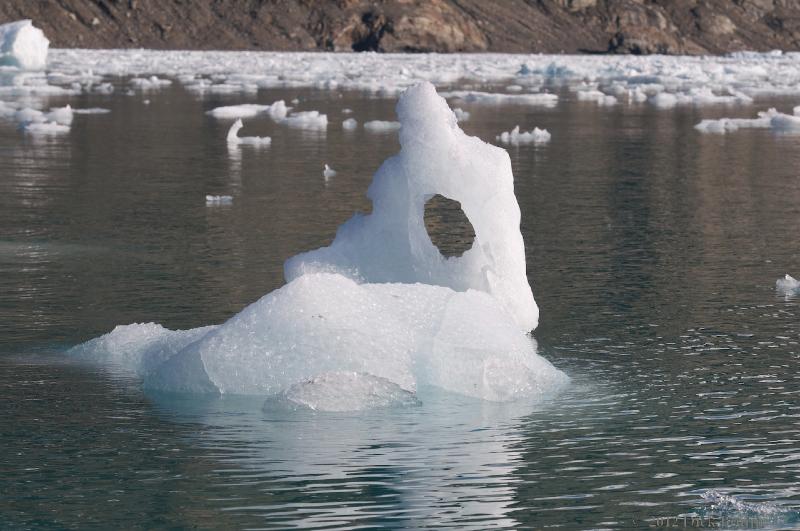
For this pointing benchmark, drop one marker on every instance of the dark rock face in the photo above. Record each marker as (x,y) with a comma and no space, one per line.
(550,26)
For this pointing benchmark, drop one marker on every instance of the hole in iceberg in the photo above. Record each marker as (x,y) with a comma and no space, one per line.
(448,227)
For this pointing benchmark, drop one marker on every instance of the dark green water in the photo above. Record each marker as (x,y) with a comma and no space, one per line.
(652,250)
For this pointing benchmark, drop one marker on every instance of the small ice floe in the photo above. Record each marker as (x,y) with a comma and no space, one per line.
(347,111)
(350,124)
(515,137)
(92,110)
(306,120)
(45,128)
(218,200)
(596,96)
(540,99)
(277,111)
(461,114)
(149,83)
(234,138)
(328,172)
(770,119)
(788,286)
(381,126)
(22,45)
(340,391)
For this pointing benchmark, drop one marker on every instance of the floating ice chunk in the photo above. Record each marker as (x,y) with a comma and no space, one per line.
(139,347)
(785,122)
(766,120)
(60,115)
(381,126)
(796,111)
(596,96)
(306,120)
(45,128)
(461,114)
(149,83)
(342,391)
(218,200)
(92,110)
(347,111)
(349,124)
(23,45)
(383,302)
(277,110)
(788,286)
(28,115)
(234,138)
(328,172)
(664,100)
(543,99)
(515,138)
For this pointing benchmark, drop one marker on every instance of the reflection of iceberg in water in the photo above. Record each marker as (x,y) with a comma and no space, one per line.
(453,461)
(381,301)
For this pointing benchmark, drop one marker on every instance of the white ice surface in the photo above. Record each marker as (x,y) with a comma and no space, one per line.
(769,119)
(788,286)
(218,200)
(381,301)
(349,124)
(277,111)
(515,137)
(328,172)
(234,138)
(306,120)
(381,126)
(23,46)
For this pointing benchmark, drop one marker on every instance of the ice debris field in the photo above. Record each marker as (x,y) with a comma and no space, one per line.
(380,312)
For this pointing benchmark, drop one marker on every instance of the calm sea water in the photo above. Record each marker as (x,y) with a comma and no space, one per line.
(652,250)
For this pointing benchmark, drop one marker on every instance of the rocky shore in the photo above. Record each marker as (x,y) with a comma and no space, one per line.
(529,26)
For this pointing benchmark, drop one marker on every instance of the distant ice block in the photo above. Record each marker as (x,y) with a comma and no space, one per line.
(306,120)
(788,286)
(328,172)
(45,128)
(149,83)
(342,391)
(380,312)
(233,137)
(92,110)
(381,126)
(596,96)
(539,99)
(23,45)
(350,124)
(515,137)
(461,114)
(218,200)
(770,119)
(277,111)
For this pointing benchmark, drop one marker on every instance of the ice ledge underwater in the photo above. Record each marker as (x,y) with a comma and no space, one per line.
(380,312)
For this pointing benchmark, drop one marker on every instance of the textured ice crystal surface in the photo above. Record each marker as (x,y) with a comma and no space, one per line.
(364,322)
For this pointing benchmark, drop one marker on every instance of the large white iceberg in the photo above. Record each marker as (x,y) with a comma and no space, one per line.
(380,302)
(23,45)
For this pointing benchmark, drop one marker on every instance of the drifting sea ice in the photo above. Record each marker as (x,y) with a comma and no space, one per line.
(22,45)
(306,120)
(769,119)
(218,200)
(234,138)
(515,138)
(381,126)
(380,312)
(276,111)
(328,172)
(461,114)
(350,124)
(788,286)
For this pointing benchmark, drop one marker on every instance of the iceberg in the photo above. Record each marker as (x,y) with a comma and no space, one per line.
(349,124)
(381,126)
(328,172)
(22,45)
(380,313)
(277,111)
